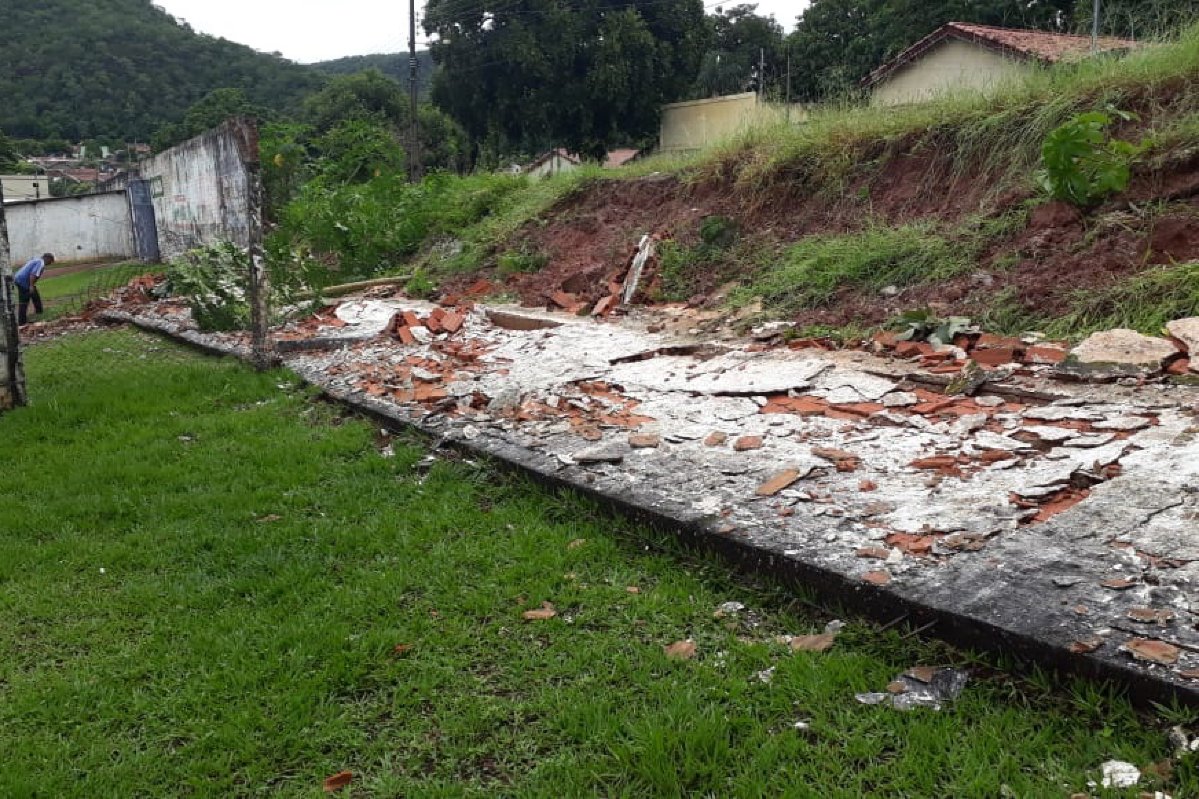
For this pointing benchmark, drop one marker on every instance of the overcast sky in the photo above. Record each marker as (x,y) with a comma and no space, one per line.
(307,32)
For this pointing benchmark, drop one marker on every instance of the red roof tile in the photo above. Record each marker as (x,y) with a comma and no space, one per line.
(1043,46)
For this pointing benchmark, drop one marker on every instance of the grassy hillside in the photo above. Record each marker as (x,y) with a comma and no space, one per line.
(120,68)
(861,214)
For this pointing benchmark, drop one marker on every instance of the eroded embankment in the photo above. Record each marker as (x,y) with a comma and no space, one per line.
(932,219)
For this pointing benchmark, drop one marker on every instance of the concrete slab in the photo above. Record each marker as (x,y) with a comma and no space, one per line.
(1059,515)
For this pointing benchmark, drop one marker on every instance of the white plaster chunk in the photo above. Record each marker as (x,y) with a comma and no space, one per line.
(1122,346)
(900,399)
(1126,424)
(844,386)
(1050,434)
(1186,331)
(1090,441)
(1060,413)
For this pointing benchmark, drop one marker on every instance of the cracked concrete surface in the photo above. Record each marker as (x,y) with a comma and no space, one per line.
(1050,519)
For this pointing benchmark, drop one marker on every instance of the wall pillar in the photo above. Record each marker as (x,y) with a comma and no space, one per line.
(12,371)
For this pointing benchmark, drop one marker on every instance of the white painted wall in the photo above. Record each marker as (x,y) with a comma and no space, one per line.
(200,193)
(25,187)
(84,228)
(953,65)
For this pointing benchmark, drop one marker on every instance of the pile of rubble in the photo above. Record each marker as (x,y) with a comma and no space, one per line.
(981,502)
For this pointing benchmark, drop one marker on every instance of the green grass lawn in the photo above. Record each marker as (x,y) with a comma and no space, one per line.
(204,576)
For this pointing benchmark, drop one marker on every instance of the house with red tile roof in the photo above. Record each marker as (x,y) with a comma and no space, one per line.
(962,56)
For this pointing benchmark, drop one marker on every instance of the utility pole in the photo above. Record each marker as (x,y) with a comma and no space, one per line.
(761,73)
(414,157)
(787,97)
(12,372)
(1095,29)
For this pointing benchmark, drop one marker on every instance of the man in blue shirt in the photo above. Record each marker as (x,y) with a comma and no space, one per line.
(26,279)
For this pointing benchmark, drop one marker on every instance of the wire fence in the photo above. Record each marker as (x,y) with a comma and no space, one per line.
(88,286)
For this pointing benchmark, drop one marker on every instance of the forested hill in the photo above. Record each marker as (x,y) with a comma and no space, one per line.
(79,69)
(393,65)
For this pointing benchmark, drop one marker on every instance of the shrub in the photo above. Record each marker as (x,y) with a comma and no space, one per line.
(1081,164)
(213,281)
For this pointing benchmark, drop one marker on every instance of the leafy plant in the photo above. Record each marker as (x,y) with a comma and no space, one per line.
(1082,164)
(923,325)
(213,281)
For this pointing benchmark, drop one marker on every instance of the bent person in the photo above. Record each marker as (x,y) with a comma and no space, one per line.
(26,279)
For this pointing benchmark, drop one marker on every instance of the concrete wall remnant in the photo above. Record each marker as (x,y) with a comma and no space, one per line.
(84,228)
(200,190)
(696,124)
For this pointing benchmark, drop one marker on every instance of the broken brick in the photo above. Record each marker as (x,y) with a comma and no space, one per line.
(937,462)
(878,553)
(745,443)
(801,406)
(885,339)
(859,409)
(1178,366)
(911,543)
(428,393)
(411,319)
(877,577)
(716,439)
(451,322)
(1044,355)
(604,306)
(996,455)
(867,485)
(563,299)
(644,440)
(778,483)
(995,357)
(405,335)
(912,349)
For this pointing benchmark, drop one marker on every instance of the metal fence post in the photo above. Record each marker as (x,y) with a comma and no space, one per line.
(12,371)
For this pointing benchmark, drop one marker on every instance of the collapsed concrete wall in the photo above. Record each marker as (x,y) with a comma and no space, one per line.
(200,189)
(85,228)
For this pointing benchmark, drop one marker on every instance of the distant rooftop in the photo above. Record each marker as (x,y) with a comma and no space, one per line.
(1031,45)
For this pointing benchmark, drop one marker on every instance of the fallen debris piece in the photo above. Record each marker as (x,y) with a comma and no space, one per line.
(778,482)
(1119,774)
(644,440)
(338,781)
(1152,651)
(680,650)
(922,686)
(546,611)
(1186,333)
(1122,350)
(842,460)
(819,642)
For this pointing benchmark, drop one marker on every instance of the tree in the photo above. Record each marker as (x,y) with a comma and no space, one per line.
(740,39)
(217,106)
(524,75)
(364,95)
(9,158)
(1138,19)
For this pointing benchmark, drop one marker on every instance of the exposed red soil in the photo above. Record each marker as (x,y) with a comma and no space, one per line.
(590,237)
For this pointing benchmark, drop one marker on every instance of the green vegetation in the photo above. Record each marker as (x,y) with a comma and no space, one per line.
(809,274)
(1144,302)
(121,68)
(393,65)
(179,628)
(1084,165)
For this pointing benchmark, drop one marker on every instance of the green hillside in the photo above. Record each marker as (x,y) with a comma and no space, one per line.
(121,68)
(393,65)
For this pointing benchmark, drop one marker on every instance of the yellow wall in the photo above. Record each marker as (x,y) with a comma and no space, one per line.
(698,123)
(953,65)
